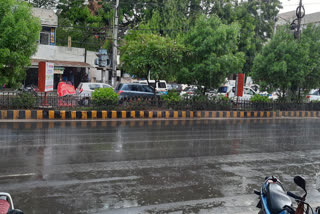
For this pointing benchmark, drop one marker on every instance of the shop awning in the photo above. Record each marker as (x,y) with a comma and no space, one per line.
(35,62)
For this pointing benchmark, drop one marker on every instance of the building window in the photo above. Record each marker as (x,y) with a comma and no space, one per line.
(47,36)
(44,38)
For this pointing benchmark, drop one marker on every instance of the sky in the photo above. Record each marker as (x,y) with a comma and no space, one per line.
(311,6)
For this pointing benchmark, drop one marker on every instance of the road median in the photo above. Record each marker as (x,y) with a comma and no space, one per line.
(87,115)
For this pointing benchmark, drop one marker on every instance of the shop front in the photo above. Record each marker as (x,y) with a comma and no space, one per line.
(67,71)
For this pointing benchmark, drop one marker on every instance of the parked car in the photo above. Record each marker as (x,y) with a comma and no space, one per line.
(85,89)
(189,91)
(226,90)
(174,87)
(134,90)
(314,95)
(161,86)
(210,93)
(247,94)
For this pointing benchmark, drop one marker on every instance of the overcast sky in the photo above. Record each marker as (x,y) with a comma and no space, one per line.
(311,6)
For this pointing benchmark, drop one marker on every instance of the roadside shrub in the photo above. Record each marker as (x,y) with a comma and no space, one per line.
(136,103)
(23,101)
(222,98)
(104,97)
(171,96)
(171,99)
(260,99)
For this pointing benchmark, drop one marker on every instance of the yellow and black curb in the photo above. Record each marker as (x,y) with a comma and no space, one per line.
(84,115)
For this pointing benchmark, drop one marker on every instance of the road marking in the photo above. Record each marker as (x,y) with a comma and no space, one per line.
(17,175)
(162,141)
(57,183)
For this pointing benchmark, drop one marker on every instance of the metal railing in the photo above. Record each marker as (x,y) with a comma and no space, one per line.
(21,100)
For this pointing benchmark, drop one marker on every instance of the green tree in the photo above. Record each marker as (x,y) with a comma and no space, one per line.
(265,13)
(171,17)
(89,25)
(161,56)
(212,53)
(48,4)
(310,38)
(256,19)
(284,64)
(19,32)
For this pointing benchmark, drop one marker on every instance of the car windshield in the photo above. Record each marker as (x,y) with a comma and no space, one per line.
(162,85)
(94,86)
(124,87)
(147,88)
(187,89)
(153,85)
(119,87)
(222,89)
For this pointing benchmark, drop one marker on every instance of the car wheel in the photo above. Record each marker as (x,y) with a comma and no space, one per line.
(85,101)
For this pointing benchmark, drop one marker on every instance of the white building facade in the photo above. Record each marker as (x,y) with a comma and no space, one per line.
(71,64)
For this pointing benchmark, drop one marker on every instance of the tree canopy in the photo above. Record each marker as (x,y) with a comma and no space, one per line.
(212,53)
(149,52)
(19,32)
(90,25)
(289,65)
(47,4)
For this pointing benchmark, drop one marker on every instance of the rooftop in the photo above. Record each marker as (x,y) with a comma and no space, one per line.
(288,17)
(47,18)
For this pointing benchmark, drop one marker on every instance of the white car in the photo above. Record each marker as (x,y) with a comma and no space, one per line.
(161,86)
(226,91)
(246,96)
(314,95)
(85,89)
(189,91)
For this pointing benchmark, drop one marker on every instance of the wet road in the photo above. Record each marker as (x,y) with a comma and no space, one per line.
(176,166)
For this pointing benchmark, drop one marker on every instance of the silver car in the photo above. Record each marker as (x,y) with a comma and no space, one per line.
(85,89)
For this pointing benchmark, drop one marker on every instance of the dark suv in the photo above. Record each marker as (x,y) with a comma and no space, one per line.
(134,90)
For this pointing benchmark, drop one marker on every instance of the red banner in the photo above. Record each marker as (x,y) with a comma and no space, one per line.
(240,82)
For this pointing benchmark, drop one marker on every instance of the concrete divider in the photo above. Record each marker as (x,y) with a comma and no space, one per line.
(86,115)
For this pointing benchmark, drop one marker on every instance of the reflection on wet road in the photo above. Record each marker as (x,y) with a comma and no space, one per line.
(165,166)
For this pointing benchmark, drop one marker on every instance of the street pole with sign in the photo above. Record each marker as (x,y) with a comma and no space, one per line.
(45,79)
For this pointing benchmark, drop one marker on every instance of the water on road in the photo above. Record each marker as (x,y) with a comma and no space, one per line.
(143,166)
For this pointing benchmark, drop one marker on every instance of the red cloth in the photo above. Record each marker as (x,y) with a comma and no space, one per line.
(67,103)
(4,206)
(65,89)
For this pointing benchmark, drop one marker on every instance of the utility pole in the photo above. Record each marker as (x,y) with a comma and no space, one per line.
(115,44)
(300,13)
(299,18)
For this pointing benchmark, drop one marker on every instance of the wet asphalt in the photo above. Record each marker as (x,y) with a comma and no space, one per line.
(164,166)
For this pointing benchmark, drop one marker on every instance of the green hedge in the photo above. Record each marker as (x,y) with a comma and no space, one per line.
(105,97)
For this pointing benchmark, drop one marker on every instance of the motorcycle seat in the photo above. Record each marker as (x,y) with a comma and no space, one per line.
(4,206)
(277,199)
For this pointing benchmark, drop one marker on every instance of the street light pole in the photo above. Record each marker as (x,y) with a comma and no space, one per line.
(299,19)
(115,44)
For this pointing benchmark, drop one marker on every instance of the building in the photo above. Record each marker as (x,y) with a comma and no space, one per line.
(71,64)
(288,17)
(49,23)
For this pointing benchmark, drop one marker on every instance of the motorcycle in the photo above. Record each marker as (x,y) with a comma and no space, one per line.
(31,89)
(275,200)
(6,204)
